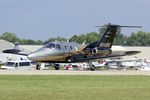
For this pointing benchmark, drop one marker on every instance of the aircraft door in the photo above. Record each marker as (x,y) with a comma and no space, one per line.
(66,49)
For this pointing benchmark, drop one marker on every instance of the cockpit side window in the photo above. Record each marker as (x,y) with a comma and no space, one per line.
(65,47)
(58,46)
(50,45)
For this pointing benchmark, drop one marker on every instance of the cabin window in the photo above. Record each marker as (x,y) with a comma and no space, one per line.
(58,46)
(71,48)
(65,47)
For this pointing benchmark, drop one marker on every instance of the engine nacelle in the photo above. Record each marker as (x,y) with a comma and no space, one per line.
(97,51)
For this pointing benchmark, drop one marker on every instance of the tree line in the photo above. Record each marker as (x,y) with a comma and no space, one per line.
(12,37)
(134,39)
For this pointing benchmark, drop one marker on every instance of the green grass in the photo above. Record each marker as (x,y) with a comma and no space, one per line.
(74,88)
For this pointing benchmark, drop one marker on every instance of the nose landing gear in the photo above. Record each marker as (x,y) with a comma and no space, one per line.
(57,67)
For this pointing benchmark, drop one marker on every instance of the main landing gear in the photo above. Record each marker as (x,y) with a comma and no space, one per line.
(38,66)
(56,66)
(91,67)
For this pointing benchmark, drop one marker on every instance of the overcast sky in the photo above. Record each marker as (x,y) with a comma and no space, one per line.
(41,19)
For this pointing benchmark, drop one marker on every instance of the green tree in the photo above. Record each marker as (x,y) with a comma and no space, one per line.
(55,39)
(139,39)
(88,37)
(92,37)
(11,37)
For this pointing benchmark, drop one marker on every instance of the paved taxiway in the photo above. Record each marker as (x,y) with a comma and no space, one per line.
(64,72)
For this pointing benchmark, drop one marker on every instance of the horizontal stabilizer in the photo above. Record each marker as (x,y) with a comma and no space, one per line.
(109,24)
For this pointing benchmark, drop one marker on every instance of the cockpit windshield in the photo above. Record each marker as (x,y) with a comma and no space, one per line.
(52,46)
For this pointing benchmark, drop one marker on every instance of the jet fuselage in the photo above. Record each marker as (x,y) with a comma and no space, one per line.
(55,52)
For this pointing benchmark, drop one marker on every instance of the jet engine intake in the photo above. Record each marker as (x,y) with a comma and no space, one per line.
(98,51)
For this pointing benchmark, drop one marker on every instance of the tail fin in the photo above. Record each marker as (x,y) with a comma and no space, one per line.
(106,41)
(107,38)
(16,46)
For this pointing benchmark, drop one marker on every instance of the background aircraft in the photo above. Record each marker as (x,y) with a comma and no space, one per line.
(115,63)
(69,52)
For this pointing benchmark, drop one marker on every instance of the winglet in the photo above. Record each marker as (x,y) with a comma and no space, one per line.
(84,42)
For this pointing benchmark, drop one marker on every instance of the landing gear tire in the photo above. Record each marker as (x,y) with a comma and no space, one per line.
(92,68)
(38,67)
(57,67)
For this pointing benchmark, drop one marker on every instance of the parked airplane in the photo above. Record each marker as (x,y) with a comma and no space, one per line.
(123,63)
(145,65)
(14,50)
(68,52)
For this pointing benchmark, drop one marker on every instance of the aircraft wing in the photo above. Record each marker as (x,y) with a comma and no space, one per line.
(128,53)
(109,56)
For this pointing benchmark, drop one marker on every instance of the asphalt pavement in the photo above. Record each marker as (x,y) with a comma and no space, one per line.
(65,72)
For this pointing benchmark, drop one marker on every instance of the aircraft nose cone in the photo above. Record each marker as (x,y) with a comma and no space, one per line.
(31,57)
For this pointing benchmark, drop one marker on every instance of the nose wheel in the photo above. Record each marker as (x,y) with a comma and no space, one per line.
(57,67)
(38,67)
